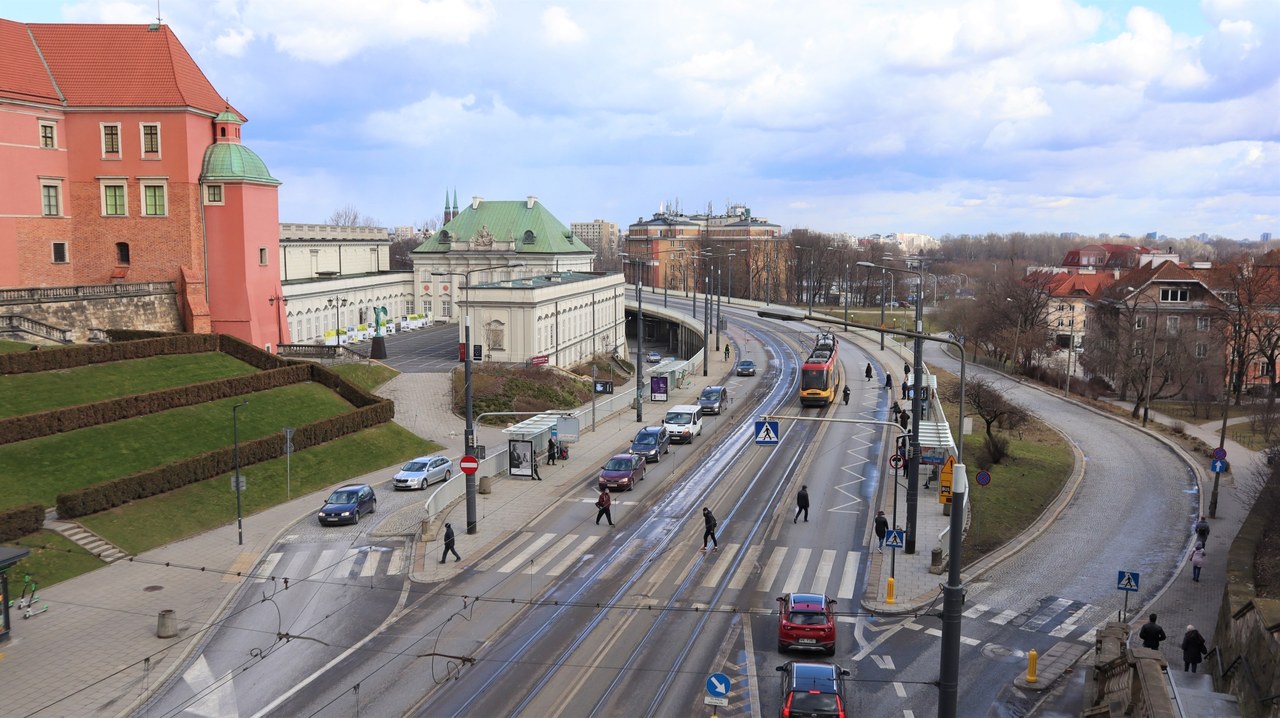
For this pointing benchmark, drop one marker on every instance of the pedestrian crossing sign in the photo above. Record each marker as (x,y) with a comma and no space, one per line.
(767,433)
(1127,581)
(895,539)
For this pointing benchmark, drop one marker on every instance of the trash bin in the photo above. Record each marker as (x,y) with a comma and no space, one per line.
(486,484)
(167,624)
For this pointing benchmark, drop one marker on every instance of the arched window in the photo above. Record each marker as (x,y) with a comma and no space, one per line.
(122,253)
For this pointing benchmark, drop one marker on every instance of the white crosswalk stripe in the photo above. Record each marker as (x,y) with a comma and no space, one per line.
(268,566)
(849,577)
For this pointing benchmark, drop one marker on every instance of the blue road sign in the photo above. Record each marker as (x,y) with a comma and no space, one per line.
(1219,453)
(983,478)
(718,684)
(767,433)
(895,539)
(1218,466)
(1127,581)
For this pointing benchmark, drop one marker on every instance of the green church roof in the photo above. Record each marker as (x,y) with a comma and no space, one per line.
(230,161)
(503,224)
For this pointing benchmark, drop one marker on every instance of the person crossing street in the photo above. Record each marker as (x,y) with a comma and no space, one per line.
(709,530)
(603,502)
(802,505)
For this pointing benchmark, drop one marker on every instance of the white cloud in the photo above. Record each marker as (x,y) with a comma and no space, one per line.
(233,42)
(116,11)
(560,29)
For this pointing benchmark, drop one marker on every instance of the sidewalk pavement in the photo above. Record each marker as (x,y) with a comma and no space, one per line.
(95,651)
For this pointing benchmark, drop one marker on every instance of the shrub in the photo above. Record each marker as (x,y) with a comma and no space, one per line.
(20,521)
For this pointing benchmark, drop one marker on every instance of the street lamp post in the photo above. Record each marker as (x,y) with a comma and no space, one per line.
(952,591)
(337,303)
(469,433)
(235,453)
(882,276)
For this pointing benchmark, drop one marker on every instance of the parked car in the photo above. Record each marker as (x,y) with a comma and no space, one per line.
(622,471)
(653,357)
(651,442)
(746,367)
(347,504)
(807,621)
(683,422)
(812,690)
(712,399)
(422,472)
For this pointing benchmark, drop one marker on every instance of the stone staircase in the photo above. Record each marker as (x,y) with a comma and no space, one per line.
(87,540)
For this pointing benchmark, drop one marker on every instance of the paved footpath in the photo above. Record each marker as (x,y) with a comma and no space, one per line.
(95,651)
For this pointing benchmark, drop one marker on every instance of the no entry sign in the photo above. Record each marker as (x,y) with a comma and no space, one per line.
(469,465)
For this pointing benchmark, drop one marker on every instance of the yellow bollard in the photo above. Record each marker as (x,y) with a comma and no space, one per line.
(889,592)
(1031,666)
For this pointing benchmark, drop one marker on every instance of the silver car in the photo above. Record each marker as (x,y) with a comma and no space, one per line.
(422,472)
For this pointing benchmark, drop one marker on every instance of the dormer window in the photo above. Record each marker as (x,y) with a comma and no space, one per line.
(529,237)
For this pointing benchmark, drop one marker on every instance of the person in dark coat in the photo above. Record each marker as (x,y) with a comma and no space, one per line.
(870,372)
(904,419)
(1202,531)
(882,528)
(603,502)
(534,468)
(802,504)
(905,387)
(709,532)
(1151,634)
(888,384)
(448,545)
(907,370)
(846,394)
(1193,649)
(552,450)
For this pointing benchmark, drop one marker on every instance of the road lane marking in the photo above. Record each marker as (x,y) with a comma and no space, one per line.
(1004,617)
(771,568)
(268,566)
(899,689)
(396,563)
(825,563)
(977,610)
(744,569)
(586,543)
(371,561)
(719,566)
(792,584)
(522,559)
(849,579)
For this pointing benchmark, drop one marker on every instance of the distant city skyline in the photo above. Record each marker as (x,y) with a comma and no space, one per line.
(855,116)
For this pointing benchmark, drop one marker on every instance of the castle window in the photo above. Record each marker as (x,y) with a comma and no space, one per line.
(213,194)
(150,141)
(51,199)
(113,201)
(262,256)
(48,135)
(111,141)
(155,201)
(222,132)
(59,252)
(122,253)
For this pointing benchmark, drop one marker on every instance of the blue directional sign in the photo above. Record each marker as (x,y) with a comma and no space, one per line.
(1127,581)
(767,433)
(718,684)
(1218,466)
(895,539)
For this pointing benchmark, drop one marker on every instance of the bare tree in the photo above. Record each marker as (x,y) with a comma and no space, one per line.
(984,400)
(349,216)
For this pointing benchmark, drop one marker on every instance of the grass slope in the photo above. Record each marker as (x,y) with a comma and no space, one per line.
(30,393)
(39,469)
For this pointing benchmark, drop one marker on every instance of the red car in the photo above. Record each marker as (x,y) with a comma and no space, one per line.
(807,620)
(622,471)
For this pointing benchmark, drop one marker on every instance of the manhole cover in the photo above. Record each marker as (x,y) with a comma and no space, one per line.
(153,589)
(1004,654)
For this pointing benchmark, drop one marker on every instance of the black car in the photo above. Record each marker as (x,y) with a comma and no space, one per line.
(651,443)
(347,504)
(712,399)
(746,367)
(812,690)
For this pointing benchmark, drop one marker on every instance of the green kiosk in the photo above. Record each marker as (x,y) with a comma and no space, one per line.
(8,557)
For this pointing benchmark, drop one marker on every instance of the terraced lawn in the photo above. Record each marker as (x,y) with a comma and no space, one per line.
(40,469)
(41,391)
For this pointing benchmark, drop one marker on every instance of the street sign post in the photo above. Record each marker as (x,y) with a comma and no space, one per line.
(983,478)
(1127,581)
(767,433)
(469,465)
(1219,453)
(895,539)
(895,461)
(944,480)
(1218,466)
(718,684)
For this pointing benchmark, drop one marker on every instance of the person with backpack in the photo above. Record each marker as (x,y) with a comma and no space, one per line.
(603,502)
(709,530)
(1202,531)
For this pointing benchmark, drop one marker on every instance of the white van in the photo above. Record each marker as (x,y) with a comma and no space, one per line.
(683,422)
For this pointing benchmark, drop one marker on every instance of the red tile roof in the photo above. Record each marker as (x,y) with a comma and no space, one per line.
(107,66)
(22,75)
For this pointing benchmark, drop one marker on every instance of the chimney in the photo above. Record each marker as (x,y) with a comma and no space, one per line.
(530,201)
(475,201)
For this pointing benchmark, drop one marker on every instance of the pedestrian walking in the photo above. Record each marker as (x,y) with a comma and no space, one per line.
(1151,634)
(904,419)
(882,528)
(906,369)
(534,468)
(1197,561)
(888,384)
(1193,649)
(448,545)
(709,532)
(846,394)
(603,502)
(802,504)
(870,372)
(552,450)
(905,386)
(1202,531)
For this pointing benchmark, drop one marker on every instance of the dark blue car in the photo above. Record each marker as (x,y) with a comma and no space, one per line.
(347,504)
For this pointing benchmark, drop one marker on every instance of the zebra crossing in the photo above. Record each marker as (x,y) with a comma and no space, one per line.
(785,569)
(1059,617)
(331,564)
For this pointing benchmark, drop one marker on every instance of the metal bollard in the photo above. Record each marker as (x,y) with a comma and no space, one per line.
(889,592)
(1031,666)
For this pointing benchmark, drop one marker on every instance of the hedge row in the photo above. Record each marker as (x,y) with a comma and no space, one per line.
(54,421)
(83,355)
(354,395)
(21,521)
(249,354)
(107,495)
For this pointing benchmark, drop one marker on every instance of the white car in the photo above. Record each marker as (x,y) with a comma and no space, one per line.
(422,472)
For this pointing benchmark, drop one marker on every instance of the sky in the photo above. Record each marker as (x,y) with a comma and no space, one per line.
(844,116)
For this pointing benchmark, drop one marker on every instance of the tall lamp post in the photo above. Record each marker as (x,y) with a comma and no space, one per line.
(952,591)
(337,303)
(235,453)
(469,434)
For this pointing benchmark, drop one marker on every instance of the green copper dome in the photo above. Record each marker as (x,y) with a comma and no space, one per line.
(228,116)
(229,161)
